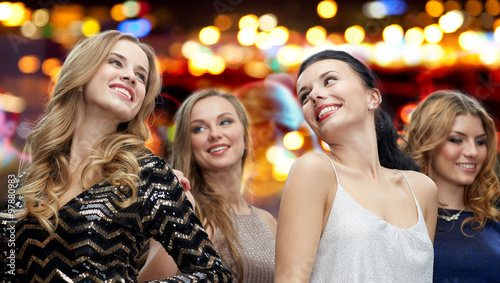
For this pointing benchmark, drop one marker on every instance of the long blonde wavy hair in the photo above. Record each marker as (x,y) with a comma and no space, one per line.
(429,127)
(212,208)
(115,156)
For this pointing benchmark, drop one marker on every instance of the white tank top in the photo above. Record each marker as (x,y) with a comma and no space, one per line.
(359,246)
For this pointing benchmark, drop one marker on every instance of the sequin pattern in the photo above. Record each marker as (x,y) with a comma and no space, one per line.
(97,241)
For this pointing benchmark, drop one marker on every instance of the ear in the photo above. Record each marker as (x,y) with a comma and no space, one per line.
(375,98)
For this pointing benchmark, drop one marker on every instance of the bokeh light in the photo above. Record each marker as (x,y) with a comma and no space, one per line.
(354,34)
(267,22)
(327,9)
(433,33)
(451,21)
(249,22)
(316,35)
(278,35)
(434,8)
(29,64)
(393,34)
(209,35)
(293,140)
(406,111)
(247,36)
(414,36)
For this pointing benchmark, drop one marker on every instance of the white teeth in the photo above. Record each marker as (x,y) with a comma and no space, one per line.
(467,166)
(326,110)
(218,148)
(124,91)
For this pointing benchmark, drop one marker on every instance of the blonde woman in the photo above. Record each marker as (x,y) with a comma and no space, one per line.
(455,141)
(211,146)
(93,194)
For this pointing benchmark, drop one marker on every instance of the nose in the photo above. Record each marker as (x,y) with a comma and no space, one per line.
(128,75)
(316,95)
(214,134)
(470,150)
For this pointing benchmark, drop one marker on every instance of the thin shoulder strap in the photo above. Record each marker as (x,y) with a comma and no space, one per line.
(335,170)
(408,183)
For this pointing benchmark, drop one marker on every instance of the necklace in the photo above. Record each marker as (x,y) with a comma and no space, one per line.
(453,217)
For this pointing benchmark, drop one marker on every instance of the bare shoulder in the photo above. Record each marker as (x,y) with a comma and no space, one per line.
(268,219)
(423,186)
(313,163)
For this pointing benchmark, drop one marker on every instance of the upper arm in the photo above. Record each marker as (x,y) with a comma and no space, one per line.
(301,217)
(427,194)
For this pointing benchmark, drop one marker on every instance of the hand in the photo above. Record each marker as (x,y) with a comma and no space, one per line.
(185,185)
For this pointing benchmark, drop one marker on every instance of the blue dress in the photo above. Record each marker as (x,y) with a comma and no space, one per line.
(458,258)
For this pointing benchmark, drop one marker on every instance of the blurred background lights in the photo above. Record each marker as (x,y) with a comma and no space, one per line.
(394,7)
(474,7)
(316,35)
(325,146)
(293,140)
(267,22)
(278,35)
(327,9)
(223,22)
(249,22)
(12,14)
(131,8)
(451,21)
(51,66)
(375,10)
(383,54)
(263,41)
(138,27)
(256,69)
(414,36)
(492,7)
(393,34)
(412,55)
(406,112)
(209,35)
(432,52)
(433,33)
(118,13)
(468,40)
(489,55)
(29,64)
(11,103)
(434,8)
(30,30)
(247,36)
(451,5)
(91,26)
(354,34)
(40,17)
(290,55)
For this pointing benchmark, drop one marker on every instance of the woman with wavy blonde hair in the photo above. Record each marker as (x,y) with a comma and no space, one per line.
(454,139)
(93,194)
(210,147)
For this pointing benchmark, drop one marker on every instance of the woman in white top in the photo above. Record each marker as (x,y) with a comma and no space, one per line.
(349,216)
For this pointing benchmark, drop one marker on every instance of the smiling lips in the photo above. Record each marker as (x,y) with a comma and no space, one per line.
(126,91)
(217,148)
(325,110)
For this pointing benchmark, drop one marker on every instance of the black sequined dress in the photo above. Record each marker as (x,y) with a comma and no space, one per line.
(97,241)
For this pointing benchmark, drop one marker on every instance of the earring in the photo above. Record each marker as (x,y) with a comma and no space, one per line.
(370,106)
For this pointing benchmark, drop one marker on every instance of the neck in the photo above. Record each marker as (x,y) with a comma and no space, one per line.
(450,196)
(229,185)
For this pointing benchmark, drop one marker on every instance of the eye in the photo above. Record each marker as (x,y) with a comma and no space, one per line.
(329,80)
(455,140)
(197,129)
(141,77)
(303,97)
(115,62)
(481,142)
(226,122)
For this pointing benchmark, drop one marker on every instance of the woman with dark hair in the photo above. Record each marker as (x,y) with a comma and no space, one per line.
(455,141)
(362,221)
(93,194)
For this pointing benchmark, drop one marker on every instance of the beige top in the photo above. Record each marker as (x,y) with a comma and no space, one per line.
(256,248)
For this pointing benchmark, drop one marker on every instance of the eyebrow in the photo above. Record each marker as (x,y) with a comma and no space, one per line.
(125,59)
(322,76)
(463,134)
(218,117)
